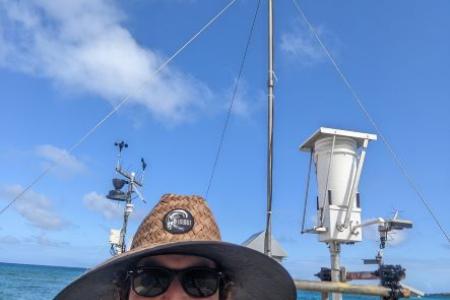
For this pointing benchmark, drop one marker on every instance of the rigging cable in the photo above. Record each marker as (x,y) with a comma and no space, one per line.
(118,106)
(358,100)
(233,98)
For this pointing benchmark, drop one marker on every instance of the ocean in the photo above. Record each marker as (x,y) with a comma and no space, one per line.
(32,282)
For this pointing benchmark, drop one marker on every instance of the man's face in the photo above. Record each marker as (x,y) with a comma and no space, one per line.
(175,262)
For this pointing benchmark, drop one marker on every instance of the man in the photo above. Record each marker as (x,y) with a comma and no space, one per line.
(206,283)
(177,254)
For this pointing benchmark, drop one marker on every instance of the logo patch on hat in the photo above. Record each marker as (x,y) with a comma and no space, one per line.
(178,221)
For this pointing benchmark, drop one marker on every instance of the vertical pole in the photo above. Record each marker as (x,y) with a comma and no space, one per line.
(270,87)
(126,213)
(335,250)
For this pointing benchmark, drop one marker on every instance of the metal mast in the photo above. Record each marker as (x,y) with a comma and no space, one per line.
(128,206)
(117,237)
(270,87)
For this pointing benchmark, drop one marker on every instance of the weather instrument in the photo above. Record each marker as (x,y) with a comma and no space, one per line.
(339,159)
(125,195)
(338,156)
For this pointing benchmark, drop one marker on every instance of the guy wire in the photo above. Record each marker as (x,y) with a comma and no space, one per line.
(233,98)
(118,106)
(358,100)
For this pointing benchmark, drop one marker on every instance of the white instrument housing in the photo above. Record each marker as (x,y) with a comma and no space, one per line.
(339,157)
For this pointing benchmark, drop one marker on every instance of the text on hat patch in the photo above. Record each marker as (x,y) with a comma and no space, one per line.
(178,221)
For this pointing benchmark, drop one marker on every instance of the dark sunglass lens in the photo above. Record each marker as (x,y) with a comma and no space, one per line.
(151,282)
(200,282)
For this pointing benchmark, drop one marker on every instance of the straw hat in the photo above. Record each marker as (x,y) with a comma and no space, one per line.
(185,225)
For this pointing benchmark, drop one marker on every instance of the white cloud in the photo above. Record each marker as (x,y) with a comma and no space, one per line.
(9,240)
(100,204)
(40,240)
(34,207)
(66,162)
(395,237)
(43,240)
(300,44)
(3,49)
(82,44)
(245,104)
(111,210)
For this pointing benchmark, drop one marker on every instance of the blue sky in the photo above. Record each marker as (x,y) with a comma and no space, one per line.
(63,66)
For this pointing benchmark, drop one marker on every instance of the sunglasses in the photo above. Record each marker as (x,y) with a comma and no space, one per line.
(197,282)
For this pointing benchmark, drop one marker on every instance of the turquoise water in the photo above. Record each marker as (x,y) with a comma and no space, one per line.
(31,282)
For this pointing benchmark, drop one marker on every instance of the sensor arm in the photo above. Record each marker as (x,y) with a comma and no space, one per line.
(378,221)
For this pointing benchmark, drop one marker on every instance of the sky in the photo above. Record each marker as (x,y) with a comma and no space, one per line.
(65,64)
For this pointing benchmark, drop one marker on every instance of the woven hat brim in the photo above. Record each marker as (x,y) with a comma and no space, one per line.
(255,275)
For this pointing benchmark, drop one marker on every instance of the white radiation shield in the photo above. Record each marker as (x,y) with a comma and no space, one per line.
(339,156)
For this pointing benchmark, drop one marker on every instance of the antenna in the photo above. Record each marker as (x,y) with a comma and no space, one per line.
(117,236)
(270,125)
